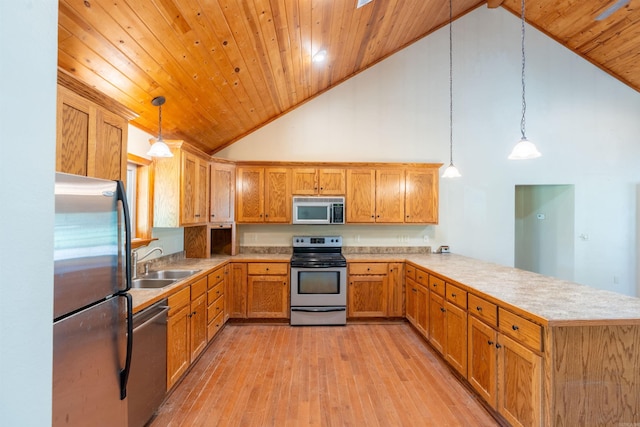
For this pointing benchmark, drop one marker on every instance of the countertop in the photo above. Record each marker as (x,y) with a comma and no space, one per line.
(544,299)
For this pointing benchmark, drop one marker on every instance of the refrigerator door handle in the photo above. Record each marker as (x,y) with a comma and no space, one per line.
(122,196)
(124,373)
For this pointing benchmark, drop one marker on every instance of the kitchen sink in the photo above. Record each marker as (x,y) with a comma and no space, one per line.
(146,283)
(170,274)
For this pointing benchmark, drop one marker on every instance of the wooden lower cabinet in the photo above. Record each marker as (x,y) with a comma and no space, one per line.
(216,283)
(417,310)
(367,292)
(519,383)
(456,340)
(437,322)
(186,329)
(259,290)
(483,360)
(395,273)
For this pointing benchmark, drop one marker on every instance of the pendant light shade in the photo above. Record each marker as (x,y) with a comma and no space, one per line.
(524,149)
(451,171)
(159,148)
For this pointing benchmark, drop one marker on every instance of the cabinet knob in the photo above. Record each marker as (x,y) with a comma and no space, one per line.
(515,327)
(490,342)
(498,345)
(442,309)
(479,308)
(453,295)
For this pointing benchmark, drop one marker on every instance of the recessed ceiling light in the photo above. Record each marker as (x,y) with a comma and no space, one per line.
(319,56)
(362,3)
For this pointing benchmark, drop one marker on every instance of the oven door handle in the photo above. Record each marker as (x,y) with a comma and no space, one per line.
(318,309)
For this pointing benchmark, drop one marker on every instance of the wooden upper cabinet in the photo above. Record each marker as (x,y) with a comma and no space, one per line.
(318,182)
(421,195)
(90,140)
(390,195)
(181,187)
(222,198)
(263,194)
(361,195)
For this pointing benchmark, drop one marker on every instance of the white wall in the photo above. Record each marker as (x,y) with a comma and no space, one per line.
(583,121)
(28,49)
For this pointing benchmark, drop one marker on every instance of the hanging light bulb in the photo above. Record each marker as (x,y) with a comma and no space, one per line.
(451,171)
(159,148)
(524,149)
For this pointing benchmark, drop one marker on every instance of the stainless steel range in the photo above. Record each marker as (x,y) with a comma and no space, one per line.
(318,281)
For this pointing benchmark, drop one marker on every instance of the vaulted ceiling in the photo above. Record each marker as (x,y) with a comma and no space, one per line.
(227,67)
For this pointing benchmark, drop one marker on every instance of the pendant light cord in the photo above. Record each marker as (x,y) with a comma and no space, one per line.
(160,122)
(450,83)
(524,102)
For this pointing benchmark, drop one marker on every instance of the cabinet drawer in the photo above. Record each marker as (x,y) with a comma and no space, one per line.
(456,296)
(215,309)
(215,292)
(422,277)
(436,285)
(178,300)
(214,326)
(484,310)
(410,272)
(368,268)
(215,277)
(525,331)
(262,268)
(198,288)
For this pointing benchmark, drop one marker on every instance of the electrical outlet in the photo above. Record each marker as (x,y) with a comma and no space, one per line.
(425,238)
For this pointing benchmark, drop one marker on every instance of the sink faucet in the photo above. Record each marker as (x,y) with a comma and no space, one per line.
(135,259)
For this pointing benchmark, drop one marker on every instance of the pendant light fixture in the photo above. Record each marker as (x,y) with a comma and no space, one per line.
(159,148)
(451,171)
(524,149)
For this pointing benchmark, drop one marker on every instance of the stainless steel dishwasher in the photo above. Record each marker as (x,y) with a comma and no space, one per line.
(148,377)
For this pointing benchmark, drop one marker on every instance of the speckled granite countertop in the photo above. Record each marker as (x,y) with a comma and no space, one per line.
(543,299)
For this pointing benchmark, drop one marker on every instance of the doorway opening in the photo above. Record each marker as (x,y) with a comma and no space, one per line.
(544,229)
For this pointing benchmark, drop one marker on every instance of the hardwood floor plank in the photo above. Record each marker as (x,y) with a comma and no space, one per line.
(278,375)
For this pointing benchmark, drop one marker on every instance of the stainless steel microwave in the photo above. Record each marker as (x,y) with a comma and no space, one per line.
(318,210)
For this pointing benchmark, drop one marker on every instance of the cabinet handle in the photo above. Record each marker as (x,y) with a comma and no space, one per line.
(284,283)
(414,289)
(498,345)
(442,309)
(266,215)
(490,342)
(479,308)
(197,216)
(453,295)
(515,327)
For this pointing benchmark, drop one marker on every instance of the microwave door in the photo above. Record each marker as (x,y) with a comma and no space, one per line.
(312,213)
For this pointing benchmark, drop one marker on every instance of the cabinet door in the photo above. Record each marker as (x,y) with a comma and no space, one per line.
(250,194)
(361,195)
(178,337)
(482,360)
(198,326)
(422,309)
(74,130)
(456,340)
(277,195)
(110,147)
(189,193)
(421,196)
(519,383)
(304,181)
(367,296)
(331,182)
(411,302)
(202,192)
(390,195)
(223,184)
(437,322)
(395,273)
(268,297)
(236,291)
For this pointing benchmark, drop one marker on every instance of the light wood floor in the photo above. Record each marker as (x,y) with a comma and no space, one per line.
(358,375)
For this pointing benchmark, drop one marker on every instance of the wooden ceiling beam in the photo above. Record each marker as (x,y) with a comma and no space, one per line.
(492,4)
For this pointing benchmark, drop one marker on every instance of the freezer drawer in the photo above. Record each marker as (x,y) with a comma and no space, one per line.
(89,351)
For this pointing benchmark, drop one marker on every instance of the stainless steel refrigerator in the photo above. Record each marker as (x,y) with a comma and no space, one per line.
(92,337)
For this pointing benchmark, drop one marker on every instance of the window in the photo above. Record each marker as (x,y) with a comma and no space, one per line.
(140,199)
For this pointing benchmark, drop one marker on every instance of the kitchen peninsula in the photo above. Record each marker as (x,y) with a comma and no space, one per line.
(570,351)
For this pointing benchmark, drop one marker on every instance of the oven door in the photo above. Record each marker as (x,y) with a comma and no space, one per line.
(318,287)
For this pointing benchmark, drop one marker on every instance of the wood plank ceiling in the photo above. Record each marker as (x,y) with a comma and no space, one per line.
(227,67)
